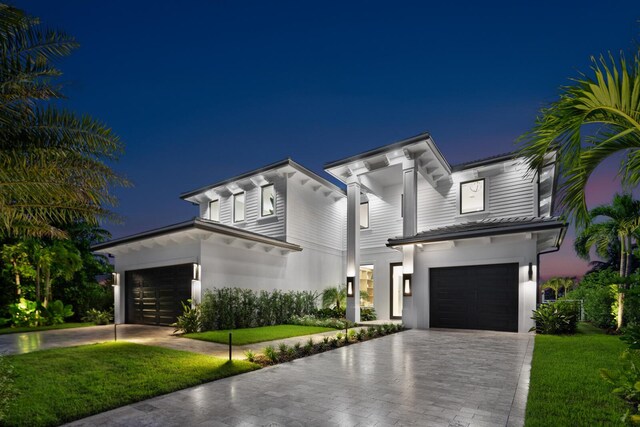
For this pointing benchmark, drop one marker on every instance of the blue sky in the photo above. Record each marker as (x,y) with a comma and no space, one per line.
(203,90)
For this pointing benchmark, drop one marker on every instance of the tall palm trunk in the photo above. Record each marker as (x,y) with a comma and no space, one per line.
(625,260)
(15,268)
(47,288)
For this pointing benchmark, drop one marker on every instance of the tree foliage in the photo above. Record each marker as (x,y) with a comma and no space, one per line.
(594,118)
(53,163)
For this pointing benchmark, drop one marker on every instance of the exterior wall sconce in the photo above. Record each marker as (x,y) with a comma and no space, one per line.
(197,270)
(350,284)
(116,279)
(530,271)
(406,284)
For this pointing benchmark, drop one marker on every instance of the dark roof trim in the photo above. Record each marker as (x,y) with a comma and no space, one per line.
(200,224)
(379,150)
(484,162)
(276,165)
(490,231)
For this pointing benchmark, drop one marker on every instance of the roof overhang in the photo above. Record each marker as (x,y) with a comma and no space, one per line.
(286,168)
(550,232)
(429,161)
(195,230)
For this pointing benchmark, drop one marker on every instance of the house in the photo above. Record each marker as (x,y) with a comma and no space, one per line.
(412,236)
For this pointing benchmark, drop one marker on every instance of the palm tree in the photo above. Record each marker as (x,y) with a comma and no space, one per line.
(594,118)
(334,297)
(557,283)
(621,227)
(53,163)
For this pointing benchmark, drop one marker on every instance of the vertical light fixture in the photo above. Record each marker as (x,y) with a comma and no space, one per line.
(350,285)
(406,284)
(530,271)
(197,269)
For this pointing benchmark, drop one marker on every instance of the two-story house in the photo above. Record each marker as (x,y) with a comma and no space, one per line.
(413,237)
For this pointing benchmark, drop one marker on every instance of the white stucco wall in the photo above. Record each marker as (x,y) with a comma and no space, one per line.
(381,258)
(472,252)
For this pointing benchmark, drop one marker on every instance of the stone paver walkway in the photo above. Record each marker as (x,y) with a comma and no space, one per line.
(425,378)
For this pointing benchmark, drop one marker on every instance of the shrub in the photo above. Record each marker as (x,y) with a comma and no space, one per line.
(271,353)
(330,313)
(235,308)
(190,320)
(367,314)
(98,317)
(361,334)
(250,355)
(310,320)
(340,336)
(351,335)
(57,311)
(556,318)
(626,383)
(7,389)
(25,313)
(283,348)
(598,296)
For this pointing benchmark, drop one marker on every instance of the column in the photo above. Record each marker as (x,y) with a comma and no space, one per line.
(410,197)
(353,249)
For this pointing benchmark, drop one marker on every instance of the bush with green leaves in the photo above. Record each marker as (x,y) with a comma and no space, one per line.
(57,311)
(368,314)
(7,388)
(599,295)
(626,383)
(271,353)
(25,313)
(310,320)
(98,317)
(235,308)
(250,355)
(190,320)
(557,318)
(330,313)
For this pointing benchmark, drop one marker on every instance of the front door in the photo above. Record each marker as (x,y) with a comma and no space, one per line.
(396,290)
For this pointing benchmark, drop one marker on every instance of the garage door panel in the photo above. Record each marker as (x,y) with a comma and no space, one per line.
(475,297)
(154,295)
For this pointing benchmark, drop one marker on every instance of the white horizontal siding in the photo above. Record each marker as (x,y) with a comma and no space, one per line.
(384,218)
(314,217)
(511,193)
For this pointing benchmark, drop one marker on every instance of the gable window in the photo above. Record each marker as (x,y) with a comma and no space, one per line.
(268,200)
(238,207)
(364,215)
(472,196)
(214,210)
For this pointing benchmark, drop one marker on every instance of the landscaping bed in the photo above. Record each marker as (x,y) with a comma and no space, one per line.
(4,331)
(61,385)
(566,388)
(255,335)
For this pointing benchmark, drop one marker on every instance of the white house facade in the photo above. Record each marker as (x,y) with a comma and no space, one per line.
(412,237)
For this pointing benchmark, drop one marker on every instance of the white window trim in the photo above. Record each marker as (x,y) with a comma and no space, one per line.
(485,198)
(275,200)
(244,216)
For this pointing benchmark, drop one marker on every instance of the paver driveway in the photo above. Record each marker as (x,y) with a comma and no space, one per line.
(434,377)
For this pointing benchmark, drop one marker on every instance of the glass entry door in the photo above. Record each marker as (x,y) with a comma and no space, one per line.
(396,290)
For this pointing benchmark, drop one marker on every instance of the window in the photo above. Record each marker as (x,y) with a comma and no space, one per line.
(214,210)
(238,207)
(268,200)
(472,196)
(364,215)
(366,286)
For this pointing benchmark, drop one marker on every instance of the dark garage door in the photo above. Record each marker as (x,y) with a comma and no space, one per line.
(154,294)
(474,297)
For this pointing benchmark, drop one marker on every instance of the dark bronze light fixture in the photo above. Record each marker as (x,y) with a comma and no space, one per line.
(530,271)
(350,285)
(406,284)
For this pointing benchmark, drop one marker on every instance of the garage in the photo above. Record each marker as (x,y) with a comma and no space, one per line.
(154,295)
(474,297)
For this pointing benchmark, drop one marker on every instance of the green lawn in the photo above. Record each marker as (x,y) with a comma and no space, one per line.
(60,385)
(566,388)
(261,334)
(43,328)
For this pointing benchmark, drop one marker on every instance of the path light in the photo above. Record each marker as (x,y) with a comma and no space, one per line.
(406,284)
(350,283)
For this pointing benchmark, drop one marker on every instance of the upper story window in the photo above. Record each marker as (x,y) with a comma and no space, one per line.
(364,215)
(268,200)
(238,207)
(472,196)
(214,210)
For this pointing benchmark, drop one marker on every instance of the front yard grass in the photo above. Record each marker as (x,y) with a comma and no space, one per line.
(61,385)
(566,388)
(4,331)
(255,335)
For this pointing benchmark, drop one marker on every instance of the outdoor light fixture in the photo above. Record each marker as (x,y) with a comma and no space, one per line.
(197,269)
(530,271)
(116,279)
(406,284)
(350,284)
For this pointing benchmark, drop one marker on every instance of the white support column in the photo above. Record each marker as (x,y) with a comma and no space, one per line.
(353,248)
(410,192)
(118,297)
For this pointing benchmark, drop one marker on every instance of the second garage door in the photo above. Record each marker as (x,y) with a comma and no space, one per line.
(154,295)
(474,297)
